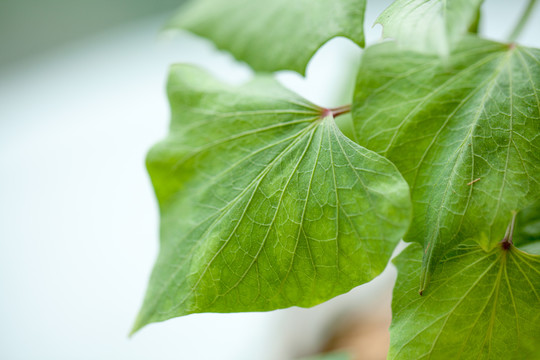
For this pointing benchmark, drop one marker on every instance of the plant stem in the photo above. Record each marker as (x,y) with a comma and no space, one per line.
(522,21)
(507,241)
(340,110)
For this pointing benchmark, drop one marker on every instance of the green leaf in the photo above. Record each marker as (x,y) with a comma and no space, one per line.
(463,132)
(531,248)
(528,225)
(264,203)
(430,26)
(273,35)
(480,305)
(474,27)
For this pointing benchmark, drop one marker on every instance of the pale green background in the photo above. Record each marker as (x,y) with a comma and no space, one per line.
(28,27)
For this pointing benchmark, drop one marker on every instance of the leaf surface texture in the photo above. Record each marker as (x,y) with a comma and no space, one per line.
(480,305)
(264,203)
(464,133)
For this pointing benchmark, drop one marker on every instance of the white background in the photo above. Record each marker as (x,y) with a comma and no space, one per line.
(78,221)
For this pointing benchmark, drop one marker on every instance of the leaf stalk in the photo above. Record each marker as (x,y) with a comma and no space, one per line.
(507,240)
(335,112)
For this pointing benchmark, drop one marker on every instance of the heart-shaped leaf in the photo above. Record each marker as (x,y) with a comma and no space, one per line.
(264,203)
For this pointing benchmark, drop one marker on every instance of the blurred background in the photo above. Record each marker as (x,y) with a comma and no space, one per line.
(81,100)
(29,27)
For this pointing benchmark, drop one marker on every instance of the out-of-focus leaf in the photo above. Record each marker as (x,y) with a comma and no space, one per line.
(430,26)
(527,225)
(273,35)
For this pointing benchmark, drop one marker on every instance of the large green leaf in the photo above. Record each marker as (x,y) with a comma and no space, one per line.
(480,305)
(463,132)
(430,26)
(273,35)
(264,203)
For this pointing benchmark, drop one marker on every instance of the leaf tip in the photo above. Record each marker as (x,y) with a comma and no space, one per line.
(136,327)
(140,322)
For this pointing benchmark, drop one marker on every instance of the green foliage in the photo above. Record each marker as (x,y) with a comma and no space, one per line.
(463,132)
(273,35)
(527,233)
(480,305)
(528,225)
(265,204)
(430,26)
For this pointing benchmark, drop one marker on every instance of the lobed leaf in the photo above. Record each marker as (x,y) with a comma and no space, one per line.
(430,26)
(264,203)
(480,305)
(463,132)
(273,35)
